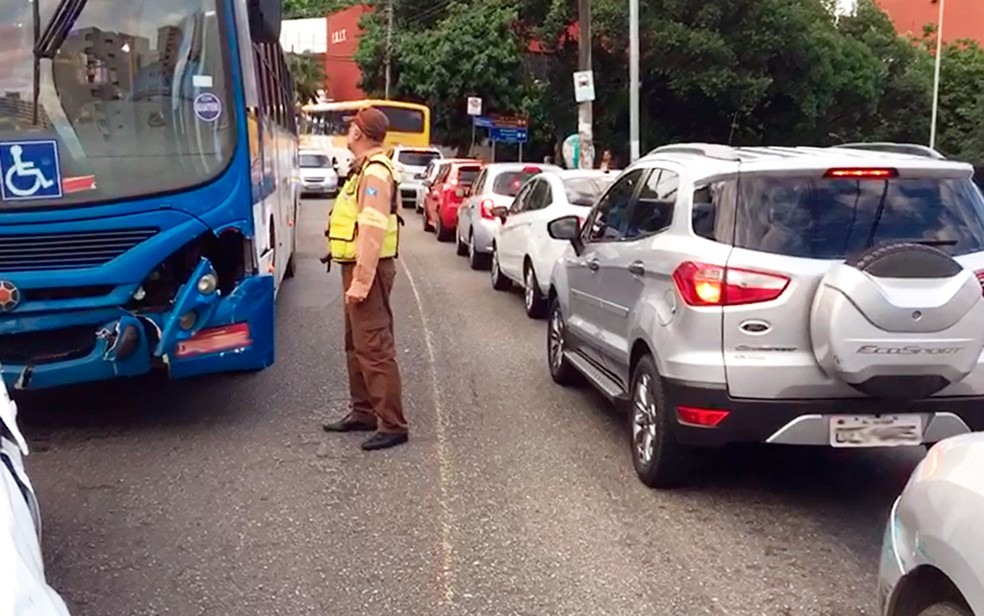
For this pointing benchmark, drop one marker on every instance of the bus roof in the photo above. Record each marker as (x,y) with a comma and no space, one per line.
(359,104)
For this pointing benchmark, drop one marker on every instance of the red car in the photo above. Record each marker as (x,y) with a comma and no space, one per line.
(447,193)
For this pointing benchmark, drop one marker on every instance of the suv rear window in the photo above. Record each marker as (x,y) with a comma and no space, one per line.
(416,158)
(314,161)
(467,175)
(508,183)
(833,218)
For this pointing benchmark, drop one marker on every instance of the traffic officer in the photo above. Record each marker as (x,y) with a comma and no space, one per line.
(363,237)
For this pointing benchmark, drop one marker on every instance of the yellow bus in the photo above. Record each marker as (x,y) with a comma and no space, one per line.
(409,122)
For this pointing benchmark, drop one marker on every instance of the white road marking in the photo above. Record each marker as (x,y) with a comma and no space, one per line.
(447,545)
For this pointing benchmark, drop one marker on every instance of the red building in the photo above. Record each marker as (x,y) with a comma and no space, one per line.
(340,65)
(963,19)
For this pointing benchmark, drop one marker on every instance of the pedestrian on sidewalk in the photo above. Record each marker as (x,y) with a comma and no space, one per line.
(607,161)
(363,237)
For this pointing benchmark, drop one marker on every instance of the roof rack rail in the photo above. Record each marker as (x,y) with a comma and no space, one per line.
(913,149)
(710,150)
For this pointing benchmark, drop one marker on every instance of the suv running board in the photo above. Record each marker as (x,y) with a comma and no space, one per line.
(605,384)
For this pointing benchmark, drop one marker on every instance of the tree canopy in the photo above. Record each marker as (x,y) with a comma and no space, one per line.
(740,71)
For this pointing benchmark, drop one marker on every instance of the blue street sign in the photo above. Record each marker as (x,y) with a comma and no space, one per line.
(483,122)
(30,170)
(509,135)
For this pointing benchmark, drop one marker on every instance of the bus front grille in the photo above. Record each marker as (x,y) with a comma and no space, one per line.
(38,348)
(66,251)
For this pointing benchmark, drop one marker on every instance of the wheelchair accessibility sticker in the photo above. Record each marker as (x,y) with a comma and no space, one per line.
(30,170)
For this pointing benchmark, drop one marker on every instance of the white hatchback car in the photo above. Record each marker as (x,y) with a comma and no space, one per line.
(23,586)
(522,249)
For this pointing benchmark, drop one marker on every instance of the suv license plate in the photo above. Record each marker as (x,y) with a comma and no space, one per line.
(876,430)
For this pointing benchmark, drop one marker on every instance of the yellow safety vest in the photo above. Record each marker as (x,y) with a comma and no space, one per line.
(343,225)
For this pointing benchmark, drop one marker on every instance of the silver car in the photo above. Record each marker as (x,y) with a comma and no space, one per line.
(932,561)
(318,175)
(412,162)
(800,296)
(496,186)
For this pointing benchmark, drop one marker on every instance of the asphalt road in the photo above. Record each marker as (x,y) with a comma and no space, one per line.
(223,496)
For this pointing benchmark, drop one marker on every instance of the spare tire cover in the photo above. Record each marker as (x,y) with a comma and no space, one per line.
(898,321)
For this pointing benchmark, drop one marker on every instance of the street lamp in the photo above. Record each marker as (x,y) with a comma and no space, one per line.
(936,78)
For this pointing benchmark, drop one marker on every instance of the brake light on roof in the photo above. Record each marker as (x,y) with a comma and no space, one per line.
(700,284)
(862,173)
(486,206)
(532,170)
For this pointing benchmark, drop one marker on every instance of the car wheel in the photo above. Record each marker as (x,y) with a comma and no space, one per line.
(561,371)
(945,609)
(475,259)
(443,235)
(462,247)
(660,460)
(427,226)
(499,281)
(536,304)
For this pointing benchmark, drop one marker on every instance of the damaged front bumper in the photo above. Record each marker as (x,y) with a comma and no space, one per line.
(202,332)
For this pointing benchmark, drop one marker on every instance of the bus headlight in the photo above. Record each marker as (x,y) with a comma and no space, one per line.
(207,284)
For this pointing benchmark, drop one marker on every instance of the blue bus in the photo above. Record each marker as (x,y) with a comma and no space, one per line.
(148,187)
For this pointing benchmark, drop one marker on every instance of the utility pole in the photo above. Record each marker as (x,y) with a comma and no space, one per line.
(389,45)
(936,78)
(584,116)
(634,80)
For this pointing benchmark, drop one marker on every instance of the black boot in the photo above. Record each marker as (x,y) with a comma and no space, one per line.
(351,423)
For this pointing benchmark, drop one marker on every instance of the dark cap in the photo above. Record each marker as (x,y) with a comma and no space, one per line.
(373,123)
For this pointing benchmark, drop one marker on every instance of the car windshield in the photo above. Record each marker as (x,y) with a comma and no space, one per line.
(508,183)
(135,101)
(314,161)
(416,158)
(585,191)
(833,218)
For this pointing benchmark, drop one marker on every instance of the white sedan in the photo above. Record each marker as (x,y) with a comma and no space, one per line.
(23,587)
(522,250)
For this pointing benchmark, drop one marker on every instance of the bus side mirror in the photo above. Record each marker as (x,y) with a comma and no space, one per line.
(265,18)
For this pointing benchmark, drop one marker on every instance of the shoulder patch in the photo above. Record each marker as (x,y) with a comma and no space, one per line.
(371,191)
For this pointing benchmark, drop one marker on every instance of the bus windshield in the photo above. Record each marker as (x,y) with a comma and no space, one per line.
(136,101)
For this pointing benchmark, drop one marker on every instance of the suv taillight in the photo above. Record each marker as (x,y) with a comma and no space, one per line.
(486,207)
(701,284)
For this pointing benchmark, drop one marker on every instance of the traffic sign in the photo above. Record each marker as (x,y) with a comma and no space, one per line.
(474,106)
(584,90)
(502,121)
(483,122)
(509,134)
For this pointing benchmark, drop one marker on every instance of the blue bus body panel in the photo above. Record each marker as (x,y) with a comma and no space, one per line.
(128,342)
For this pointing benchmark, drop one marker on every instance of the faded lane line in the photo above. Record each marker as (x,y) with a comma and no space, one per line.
(447,547)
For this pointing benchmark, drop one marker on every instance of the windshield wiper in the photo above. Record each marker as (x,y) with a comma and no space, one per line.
(931,242)
(66,14)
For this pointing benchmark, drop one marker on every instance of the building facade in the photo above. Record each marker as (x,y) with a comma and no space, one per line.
(962,19)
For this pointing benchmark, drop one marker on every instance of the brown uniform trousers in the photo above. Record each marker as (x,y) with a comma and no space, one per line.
(370,348)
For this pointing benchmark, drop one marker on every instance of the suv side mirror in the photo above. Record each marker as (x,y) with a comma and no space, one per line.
(568,229)
(265,20)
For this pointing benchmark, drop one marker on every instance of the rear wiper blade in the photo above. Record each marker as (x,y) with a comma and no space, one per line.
(66,14)
(931,242)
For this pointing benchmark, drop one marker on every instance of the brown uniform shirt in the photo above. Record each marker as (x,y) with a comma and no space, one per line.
(375,194)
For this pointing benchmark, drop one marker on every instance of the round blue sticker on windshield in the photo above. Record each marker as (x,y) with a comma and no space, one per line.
(208,107)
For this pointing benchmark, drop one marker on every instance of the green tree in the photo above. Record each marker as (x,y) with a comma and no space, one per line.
(309,77)
(300,9)
(471,49)
(961,113)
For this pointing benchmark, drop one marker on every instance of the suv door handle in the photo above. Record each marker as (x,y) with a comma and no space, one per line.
(593,265)
(637,269)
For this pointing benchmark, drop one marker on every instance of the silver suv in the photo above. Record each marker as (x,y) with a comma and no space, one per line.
(803,296)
